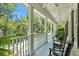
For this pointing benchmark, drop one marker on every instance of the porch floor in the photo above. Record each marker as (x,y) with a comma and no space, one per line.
(44,50)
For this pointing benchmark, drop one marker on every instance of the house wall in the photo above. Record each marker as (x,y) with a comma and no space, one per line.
(75,50)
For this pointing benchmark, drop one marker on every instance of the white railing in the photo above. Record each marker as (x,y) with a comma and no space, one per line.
(19,44)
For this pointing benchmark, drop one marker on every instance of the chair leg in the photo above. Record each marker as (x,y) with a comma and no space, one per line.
(50,52)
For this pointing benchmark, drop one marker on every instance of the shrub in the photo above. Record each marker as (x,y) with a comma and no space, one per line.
(60,32)
(5,40)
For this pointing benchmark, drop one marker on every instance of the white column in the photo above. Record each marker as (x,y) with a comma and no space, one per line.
(46,31)
(31,39)
(75,50)
(69,28)
(75,28)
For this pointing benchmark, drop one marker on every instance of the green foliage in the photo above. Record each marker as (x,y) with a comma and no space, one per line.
(48,27)
(12,35)
(60,32)
(5,52)
(7,4)
(38,23)
(6,11)
(19,27)
(5,40)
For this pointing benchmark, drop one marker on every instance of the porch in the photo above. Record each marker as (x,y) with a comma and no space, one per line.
(38,44)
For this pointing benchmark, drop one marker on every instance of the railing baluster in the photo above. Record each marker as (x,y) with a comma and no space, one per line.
(20,46)
(26,51)
(13,45)
(23,45)
(9,48)
(17,46)
(3,48)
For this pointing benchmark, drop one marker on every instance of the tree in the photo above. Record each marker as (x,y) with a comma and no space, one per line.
(60,31)
(9,26)
(5,13)
(38,23)
(6,9)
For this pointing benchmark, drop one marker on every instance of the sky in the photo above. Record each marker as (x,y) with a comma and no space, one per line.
(21,10)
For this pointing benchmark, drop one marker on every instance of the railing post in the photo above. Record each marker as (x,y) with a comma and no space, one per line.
(31,39)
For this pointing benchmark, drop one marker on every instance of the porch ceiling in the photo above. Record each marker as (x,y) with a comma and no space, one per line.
(60,11)
(56,12)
